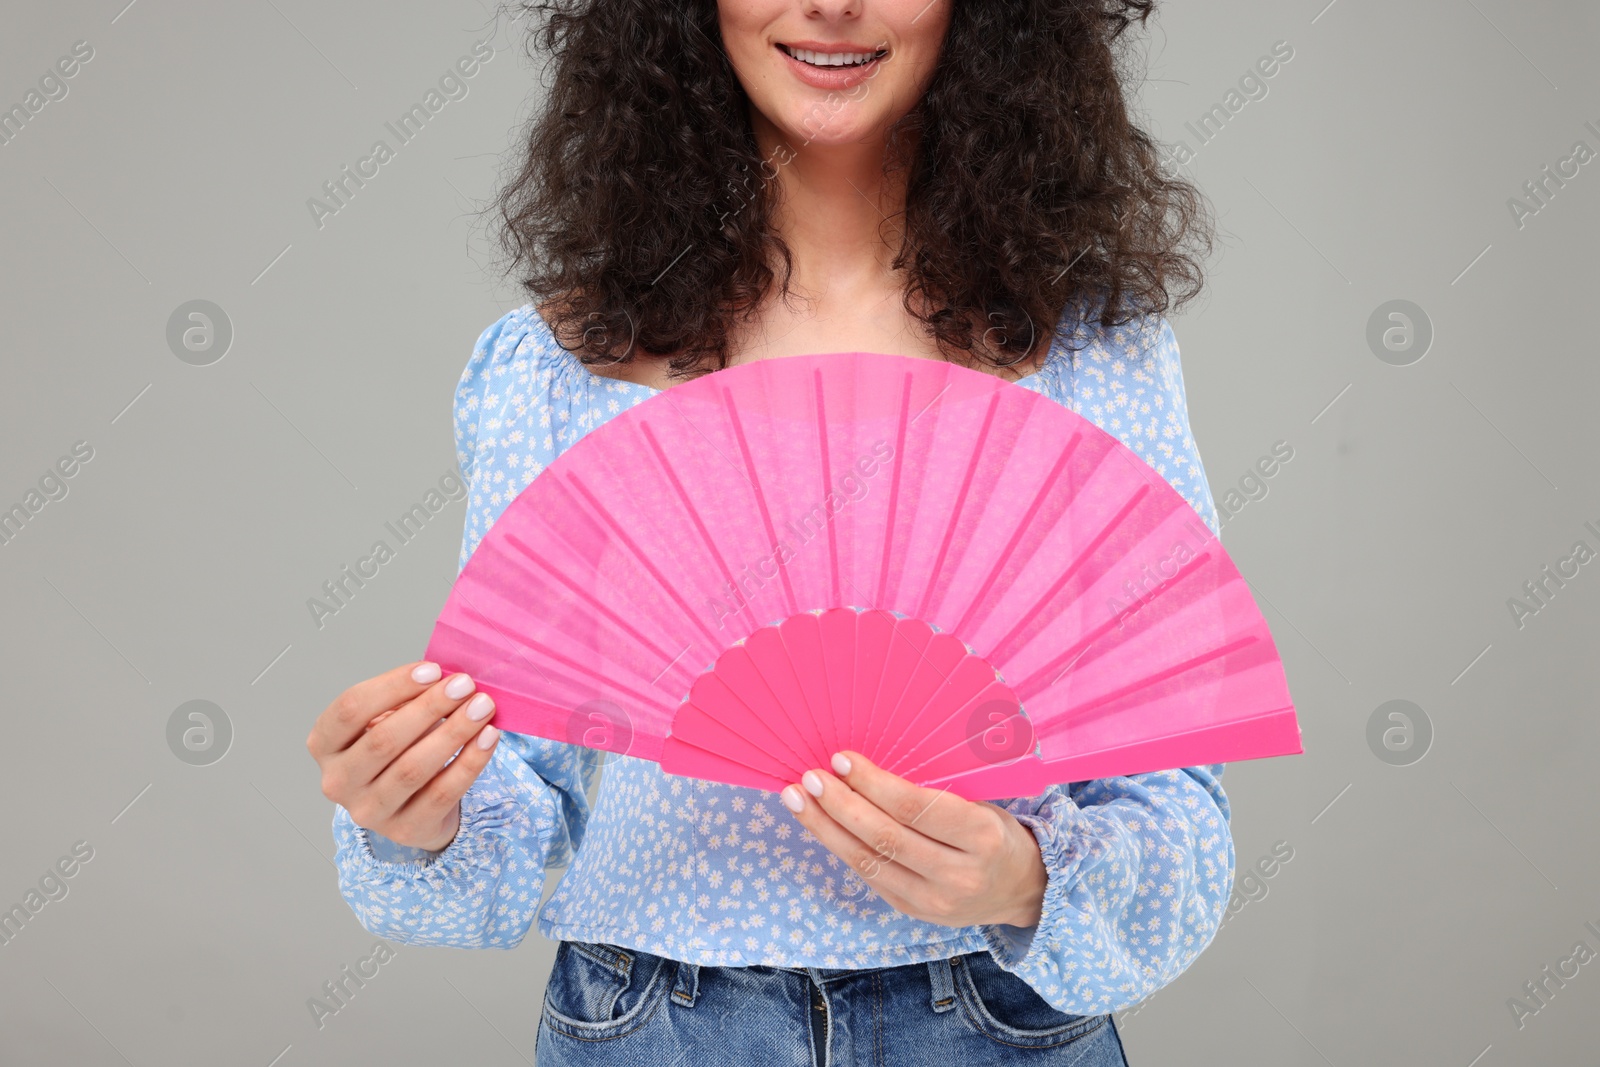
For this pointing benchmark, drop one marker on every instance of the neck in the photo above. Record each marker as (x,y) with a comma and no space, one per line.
(838,213)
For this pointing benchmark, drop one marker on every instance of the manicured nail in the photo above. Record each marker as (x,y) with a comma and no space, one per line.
(812,783)
(792,799)
(486,737)
(841,763)
(458,687)
(480,706)
(425,673)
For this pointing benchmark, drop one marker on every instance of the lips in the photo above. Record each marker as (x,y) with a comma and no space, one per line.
(809,52)
(831,77)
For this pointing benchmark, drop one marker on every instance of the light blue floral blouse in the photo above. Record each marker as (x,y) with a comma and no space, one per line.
(1139,867)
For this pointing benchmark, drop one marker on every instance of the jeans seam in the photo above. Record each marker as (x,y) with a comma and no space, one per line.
(650,1003)
(982,1020)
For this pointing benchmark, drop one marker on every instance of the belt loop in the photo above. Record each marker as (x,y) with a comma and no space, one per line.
(944,985)
(687,986)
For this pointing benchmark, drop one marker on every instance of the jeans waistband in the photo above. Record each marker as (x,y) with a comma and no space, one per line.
(941,981)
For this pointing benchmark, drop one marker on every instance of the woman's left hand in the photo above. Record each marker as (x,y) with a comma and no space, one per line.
(931,854)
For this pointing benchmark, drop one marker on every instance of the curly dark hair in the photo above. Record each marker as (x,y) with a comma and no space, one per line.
(638,211)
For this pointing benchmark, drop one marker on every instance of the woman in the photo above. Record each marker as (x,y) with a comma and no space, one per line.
(938,179)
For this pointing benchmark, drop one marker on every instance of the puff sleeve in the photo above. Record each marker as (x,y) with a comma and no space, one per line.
(1139,868)
(528,807)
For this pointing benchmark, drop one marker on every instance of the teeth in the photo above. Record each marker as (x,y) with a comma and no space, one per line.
(830,59)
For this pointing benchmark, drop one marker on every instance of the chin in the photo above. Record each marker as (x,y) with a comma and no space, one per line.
(810,122)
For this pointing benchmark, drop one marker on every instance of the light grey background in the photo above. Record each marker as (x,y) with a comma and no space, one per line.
(1419,500)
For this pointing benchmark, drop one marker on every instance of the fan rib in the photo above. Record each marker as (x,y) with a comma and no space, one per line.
(753,663)
(937,570)
(693,513)
(838,664)
(1231,724)
(586,596)
(878,740)
(827,491)
(795,762)
(606,682)
(894,489)
(1031,687)
(1023,523)
(662,582)
(1002,649)
(755,485)
(978,699)
(906,719)
(1079,713)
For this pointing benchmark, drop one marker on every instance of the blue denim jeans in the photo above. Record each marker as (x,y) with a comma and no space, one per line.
(608,1006)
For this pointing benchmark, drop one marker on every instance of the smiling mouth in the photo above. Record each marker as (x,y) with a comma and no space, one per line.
(832,60)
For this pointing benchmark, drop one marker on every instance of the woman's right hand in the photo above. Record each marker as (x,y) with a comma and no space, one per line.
(383,745)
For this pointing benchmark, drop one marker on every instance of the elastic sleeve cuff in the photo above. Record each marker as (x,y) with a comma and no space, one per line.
(1054,822)
(488,806)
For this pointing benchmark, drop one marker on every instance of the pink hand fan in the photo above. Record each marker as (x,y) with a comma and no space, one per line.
(963,580)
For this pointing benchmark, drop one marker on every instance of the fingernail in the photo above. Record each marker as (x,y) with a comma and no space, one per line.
(841,763)
(480,706)
(425,672)
(812,783)
(486,736)
(458,687)
(792,799)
